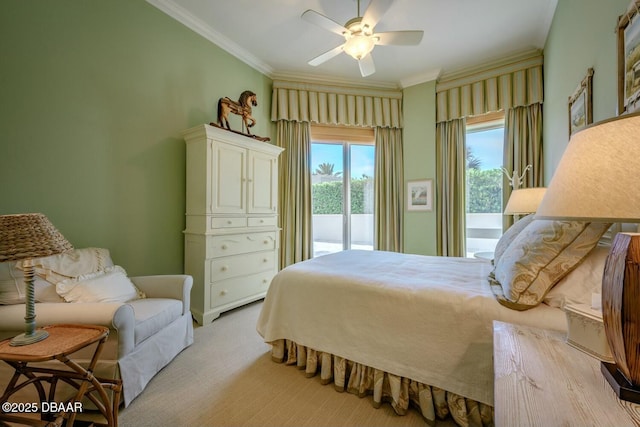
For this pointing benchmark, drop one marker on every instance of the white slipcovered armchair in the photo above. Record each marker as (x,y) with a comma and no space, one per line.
(145,334)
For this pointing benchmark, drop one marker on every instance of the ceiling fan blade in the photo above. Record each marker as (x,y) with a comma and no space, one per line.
(405,38)
(326,56)
(367,67)
(322,21)
(375,11)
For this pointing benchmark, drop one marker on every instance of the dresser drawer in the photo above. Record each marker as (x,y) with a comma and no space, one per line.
(240,265)
(231,290)
(228,222)
(235,244)
(265,221)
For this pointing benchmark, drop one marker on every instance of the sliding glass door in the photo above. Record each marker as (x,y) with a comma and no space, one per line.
(342,196)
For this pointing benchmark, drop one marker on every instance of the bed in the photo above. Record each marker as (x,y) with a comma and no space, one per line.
(416,330)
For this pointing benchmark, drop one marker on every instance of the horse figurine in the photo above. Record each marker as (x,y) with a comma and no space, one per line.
(242,107)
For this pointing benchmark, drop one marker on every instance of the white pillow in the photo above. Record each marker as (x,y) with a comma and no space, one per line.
(11,283)
(73,263)
(12,286)
(586,279)
(112,285)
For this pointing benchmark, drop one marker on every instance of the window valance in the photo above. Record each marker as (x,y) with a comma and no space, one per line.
(515,84)
(336,105)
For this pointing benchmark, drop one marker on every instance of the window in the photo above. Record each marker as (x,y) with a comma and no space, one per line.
(484,152)
(342,164)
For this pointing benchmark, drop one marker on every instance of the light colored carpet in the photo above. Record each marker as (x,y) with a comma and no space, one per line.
(227,378)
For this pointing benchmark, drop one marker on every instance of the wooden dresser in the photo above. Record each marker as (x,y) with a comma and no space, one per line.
(231,234)
(540,380)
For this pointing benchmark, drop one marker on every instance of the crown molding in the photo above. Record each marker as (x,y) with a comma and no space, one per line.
(421,78)
(320,79)
(184,17)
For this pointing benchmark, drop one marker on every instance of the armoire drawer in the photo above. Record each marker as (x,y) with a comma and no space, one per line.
(234,244)
(263,221)
(229,222)
(230,290)
(241,265)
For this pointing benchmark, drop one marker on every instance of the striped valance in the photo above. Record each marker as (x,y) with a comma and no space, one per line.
(336,105)
(513,85)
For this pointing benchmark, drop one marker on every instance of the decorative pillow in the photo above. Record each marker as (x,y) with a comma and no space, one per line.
(74,263)
(585,280)
(112,285)
(542,254)
(11,283)
(12,286)
(508,236)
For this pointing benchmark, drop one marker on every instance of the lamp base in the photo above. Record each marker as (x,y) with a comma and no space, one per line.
(622,387)
(25,339)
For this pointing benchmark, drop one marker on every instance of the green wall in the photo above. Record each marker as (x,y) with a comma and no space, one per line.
(93,98)
(419,139)
(582,35)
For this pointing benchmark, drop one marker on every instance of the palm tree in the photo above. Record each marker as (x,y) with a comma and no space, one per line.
(472,161)
(326,169)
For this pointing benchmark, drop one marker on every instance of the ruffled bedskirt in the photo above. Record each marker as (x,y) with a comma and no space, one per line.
(399,392)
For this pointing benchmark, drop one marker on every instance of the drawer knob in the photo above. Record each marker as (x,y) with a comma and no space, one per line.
(261,221)
(224,246)
(223,268)
(223,292)
(264,280)
(266,242)
(265,260)
(229,222)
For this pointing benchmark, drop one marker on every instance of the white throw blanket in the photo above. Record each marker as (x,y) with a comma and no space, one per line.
(426,318)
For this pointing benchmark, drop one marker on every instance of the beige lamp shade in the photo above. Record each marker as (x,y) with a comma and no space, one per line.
(597,178)
(524,201)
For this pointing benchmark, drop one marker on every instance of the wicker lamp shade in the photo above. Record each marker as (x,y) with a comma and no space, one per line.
(24,237)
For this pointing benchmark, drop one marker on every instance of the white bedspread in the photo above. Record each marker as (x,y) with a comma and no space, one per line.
(422,317)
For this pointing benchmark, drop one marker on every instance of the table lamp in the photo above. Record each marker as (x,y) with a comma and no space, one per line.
(597,180)
(524,201)
(24,237)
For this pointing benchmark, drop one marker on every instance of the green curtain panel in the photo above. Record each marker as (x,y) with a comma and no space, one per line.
(522,147)
(295,192)
(450,187)
(389,190)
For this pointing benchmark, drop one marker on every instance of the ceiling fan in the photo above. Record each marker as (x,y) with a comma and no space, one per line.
(359,37)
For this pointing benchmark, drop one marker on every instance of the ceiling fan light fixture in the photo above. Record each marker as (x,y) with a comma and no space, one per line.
(358,46)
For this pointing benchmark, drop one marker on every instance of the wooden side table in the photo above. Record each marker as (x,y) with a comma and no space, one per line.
(540,380)
(63,340)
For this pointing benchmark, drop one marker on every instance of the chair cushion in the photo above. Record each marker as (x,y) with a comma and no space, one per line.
(154,314)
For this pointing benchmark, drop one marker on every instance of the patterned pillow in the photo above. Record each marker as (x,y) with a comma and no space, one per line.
(542,254)
(508,237)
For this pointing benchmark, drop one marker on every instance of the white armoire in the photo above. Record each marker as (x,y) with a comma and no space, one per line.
(231,237)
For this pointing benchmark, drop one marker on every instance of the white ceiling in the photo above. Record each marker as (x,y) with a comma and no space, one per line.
(270,36)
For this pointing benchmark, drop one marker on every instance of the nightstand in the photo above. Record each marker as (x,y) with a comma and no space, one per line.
(540,380)
(483,255)
(63,340)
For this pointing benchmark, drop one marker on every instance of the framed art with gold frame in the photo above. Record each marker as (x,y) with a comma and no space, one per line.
(581,104)
(628,35)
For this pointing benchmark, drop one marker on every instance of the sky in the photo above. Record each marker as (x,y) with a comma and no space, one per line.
(362,158)
(487,146)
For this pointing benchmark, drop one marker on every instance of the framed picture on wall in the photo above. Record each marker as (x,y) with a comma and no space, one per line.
(628,35)
(581,104)
(420,195)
